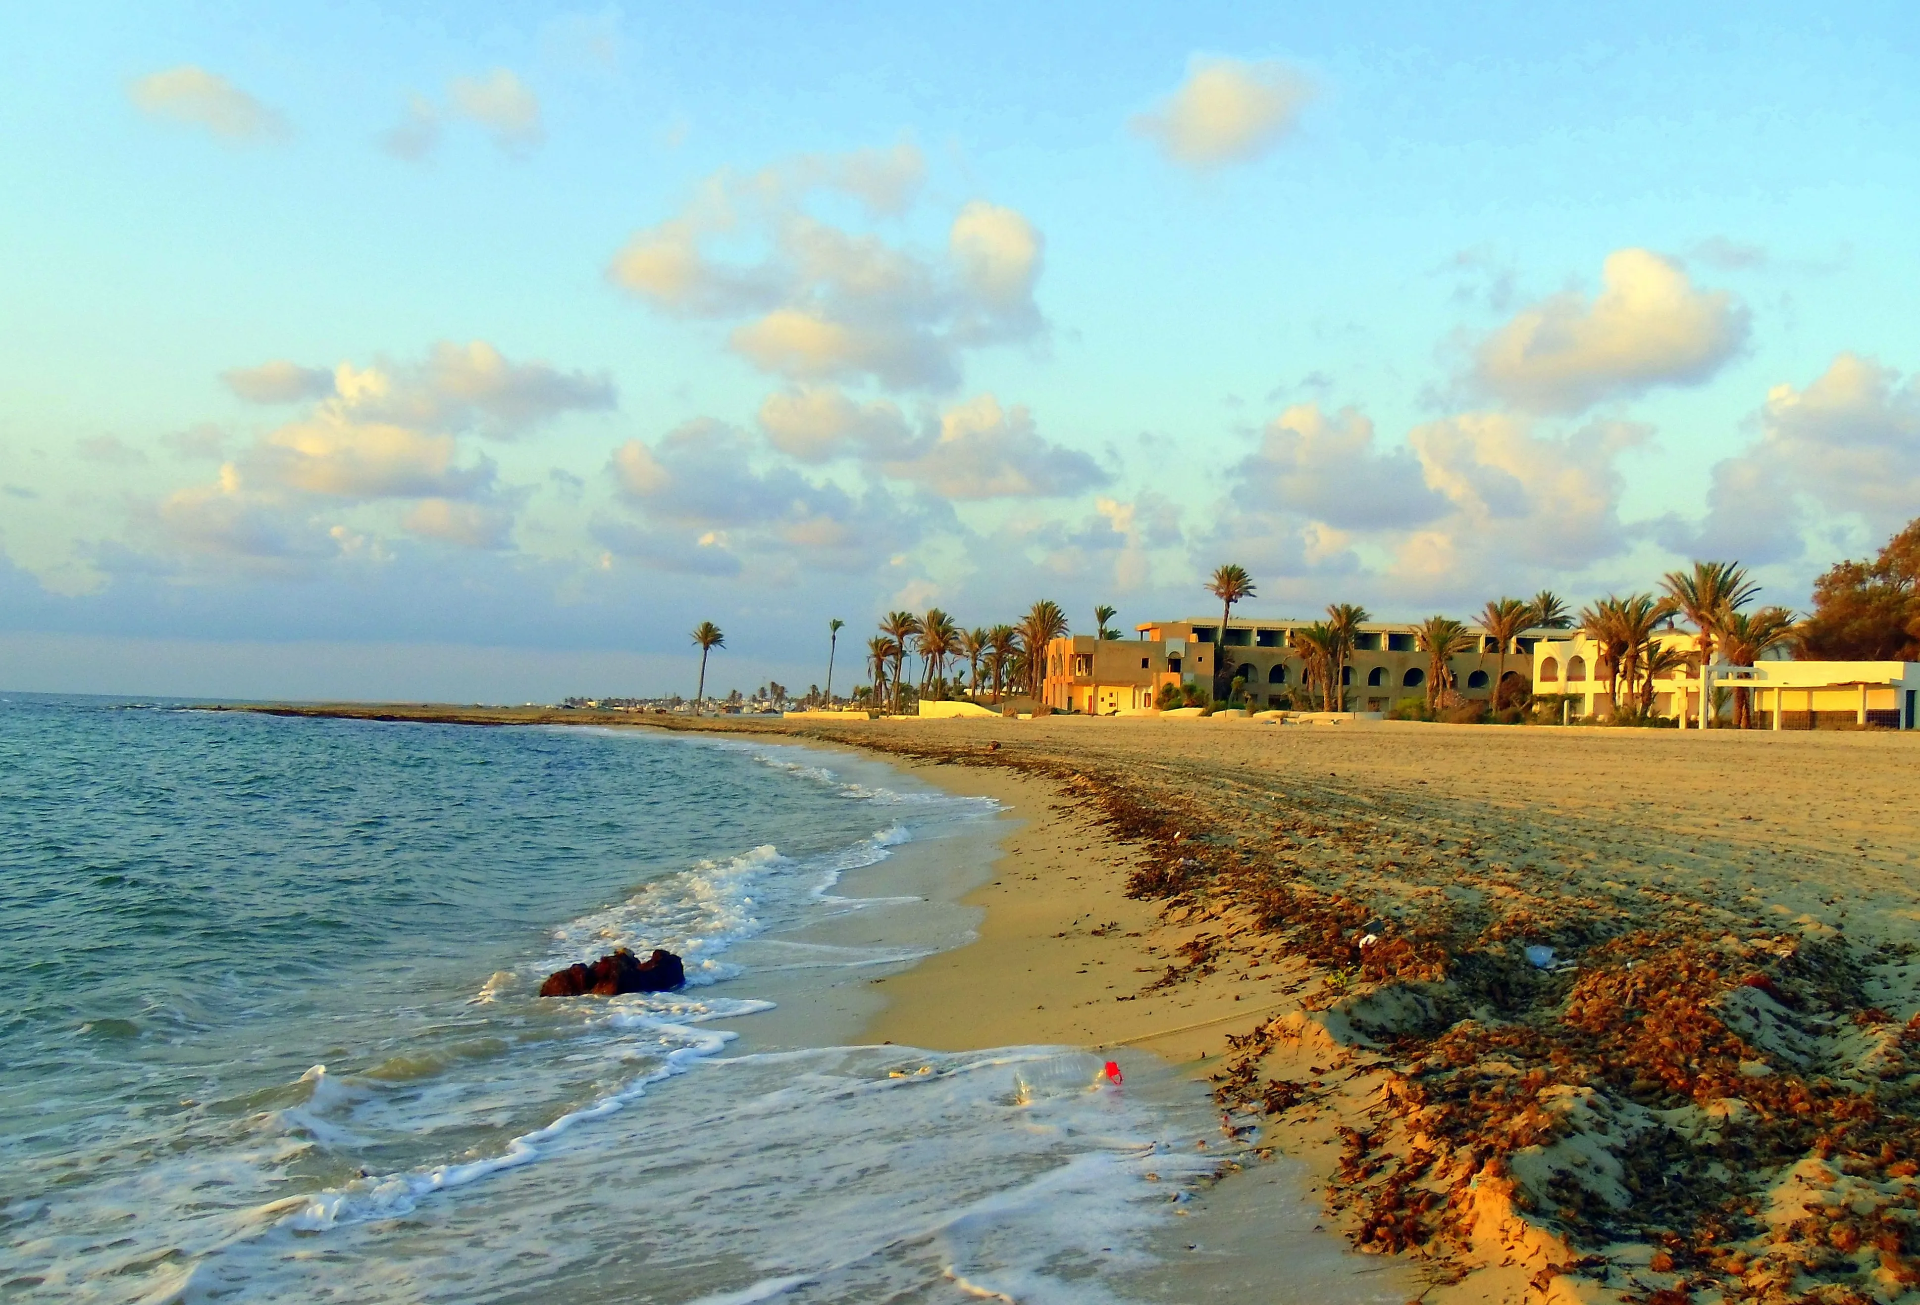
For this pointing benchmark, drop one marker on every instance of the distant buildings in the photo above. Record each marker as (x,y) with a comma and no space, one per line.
(1104,676)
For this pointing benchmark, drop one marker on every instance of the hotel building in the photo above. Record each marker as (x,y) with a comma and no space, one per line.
(1102,677)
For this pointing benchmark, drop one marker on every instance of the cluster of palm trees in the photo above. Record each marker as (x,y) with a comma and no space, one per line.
(1712,596)
(996,658)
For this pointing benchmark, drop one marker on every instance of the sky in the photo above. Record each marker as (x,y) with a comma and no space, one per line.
(479,351)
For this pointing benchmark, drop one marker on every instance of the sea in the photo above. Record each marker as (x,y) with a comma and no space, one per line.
(269,1028)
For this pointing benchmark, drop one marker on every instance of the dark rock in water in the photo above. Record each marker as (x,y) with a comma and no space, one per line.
(614,974)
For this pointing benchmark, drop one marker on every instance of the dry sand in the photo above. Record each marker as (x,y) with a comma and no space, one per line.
(1711,1093)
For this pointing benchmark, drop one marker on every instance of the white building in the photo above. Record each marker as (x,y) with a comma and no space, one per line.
(1786,694)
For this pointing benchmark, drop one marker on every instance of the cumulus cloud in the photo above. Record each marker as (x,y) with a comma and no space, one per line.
(469,525)
(503,106)
(197,98)
(1648,326)
(456,387)
(815,302)
(702,497)
(1848,443)
(986,451)
(1227,111)
(279,381)
(333,455)
(1475,499)
(820,423)
(417,134)
(1327,468)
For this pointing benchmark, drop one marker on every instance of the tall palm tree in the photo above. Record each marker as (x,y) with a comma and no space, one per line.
(899,627)
(1043,623)
(1706,595)
(1549,613)
(1314,646)
(1003,644)
(880,655)
(1503,619)
(1343,623)
(1748,637)
(973,646)
(1101,615)
(1662,660)
(834,627)
(708,636)
(1441,638)
(939,640)
(1230,584)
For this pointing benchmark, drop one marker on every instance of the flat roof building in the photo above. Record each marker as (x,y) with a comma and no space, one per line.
(1103,677)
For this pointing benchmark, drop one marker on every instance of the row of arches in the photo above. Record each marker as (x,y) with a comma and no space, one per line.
(1550,669)
(1414,676)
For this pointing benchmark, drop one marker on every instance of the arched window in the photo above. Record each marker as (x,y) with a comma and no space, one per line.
(1577,669)
(1550,670)
(1477,680)
(1346,675)
(1247,673)
(1377,677)
(1414,678)
(1278,675)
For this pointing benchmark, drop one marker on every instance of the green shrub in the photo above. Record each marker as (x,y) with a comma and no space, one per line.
(1409,709)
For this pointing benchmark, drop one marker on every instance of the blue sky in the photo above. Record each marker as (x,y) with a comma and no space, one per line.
(481,352)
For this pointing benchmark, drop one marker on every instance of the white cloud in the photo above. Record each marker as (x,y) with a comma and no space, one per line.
(457,387)
(332,455)
(417,134)
(470,525)
(698,488)
(986,451)
(820,423)
(814,302)
(1326,468)
(278,381)
(503,105)
(1848,443)
(1226,111)
(1649,326)
(198,98)
(1471,501)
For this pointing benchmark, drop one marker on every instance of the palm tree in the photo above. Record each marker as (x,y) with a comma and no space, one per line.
(1706,596)
(1549,613)
(1745,639)
(880,655)
(939,640)
(973,646)
(1314,646)
(1003,642)
(1623,629)
(834,627)
(899,627)
(1230,584)
(1441,638)
(1503,619)
(1101,615)
(1343,623)
(708,636)
(1043,623)
(1662,661)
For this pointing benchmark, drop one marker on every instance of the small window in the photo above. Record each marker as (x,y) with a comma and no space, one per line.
(1146,663)
(1376,677)
(1278,675)
(1550,670)
(1477,680)
(1414,678)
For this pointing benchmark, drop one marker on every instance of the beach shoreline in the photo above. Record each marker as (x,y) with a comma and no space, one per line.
(1725,993)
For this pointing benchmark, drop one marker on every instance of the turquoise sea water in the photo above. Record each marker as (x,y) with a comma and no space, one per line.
(269,1029)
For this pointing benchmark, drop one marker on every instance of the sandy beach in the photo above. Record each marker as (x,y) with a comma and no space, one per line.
(1540,1014)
